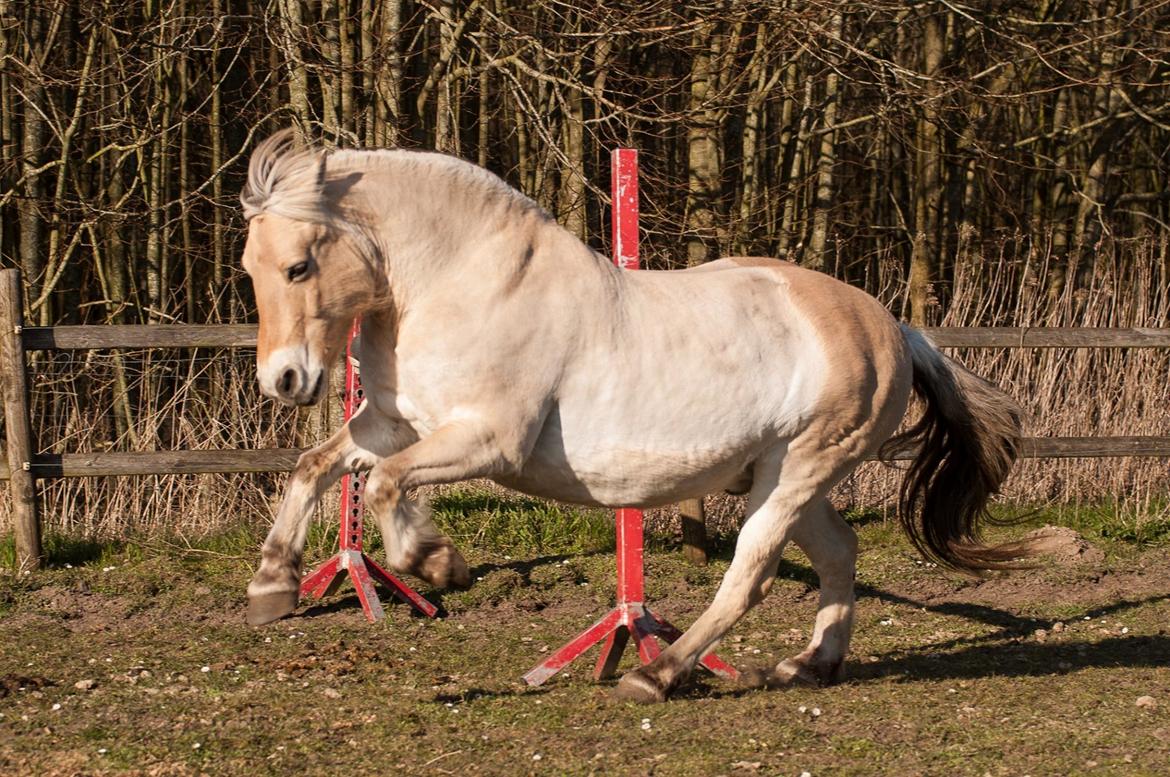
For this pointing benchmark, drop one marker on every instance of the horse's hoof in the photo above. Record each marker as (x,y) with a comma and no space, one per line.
(267,608)
(795,671)
(445,567)
(791,672)
(637,687)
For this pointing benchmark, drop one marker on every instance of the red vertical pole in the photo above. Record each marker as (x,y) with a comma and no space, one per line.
(624,188)
(629,617)
(352,485)
(362,570)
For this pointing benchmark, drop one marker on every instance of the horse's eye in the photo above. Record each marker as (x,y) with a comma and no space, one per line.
(298,271)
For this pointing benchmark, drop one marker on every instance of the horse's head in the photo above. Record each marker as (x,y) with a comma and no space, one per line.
(309,276)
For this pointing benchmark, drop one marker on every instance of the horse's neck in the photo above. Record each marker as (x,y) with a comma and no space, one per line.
(441,229)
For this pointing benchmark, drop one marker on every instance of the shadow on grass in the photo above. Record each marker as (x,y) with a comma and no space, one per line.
(1032,659)
(474,694)
(1029,659)
(525,567)
(1010,625)
(350,602)
(61,550)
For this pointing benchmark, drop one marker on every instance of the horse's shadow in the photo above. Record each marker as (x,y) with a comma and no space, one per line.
(1029,659)
(999,653)
(522,567)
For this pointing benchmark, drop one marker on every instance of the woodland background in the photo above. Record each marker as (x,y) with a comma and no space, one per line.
(969,163)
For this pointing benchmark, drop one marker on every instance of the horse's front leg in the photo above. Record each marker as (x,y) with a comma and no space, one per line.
(366,438)
(458,451)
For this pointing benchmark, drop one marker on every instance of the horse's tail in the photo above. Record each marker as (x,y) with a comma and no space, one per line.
(966,443)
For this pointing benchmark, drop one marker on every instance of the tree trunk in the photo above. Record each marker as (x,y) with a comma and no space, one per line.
(389,79)
(572,194)
(815,257)
(32,263)
(928,188)
(703,164)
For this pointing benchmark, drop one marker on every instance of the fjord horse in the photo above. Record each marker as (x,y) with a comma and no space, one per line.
(495,345)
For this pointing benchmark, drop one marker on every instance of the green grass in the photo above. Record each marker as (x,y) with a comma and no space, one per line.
(517,525)
(954,684)
(521,525)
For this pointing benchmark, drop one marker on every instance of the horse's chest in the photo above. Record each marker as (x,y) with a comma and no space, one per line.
(401,405)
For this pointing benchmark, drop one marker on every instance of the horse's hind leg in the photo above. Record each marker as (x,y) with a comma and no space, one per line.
(772,511)
(275,587)
(831,545)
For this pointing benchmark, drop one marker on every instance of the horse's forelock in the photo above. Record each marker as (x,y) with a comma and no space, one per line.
(286,179)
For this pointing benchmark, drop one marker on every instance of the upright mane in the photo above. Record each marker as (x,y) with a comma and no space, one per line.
(293,181)
(287,180)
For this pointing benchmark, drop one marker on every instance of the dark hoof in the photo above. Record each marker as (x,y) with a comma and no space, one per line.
(637,687)
(267,608)
(794,671)
(445,567)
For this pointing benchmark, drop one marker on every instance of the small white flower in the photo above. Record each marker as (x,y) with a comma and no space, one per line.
(536,757)
(205,669)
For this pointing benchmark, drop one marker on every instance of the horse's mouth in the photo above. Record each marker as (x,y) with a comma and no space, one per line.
(318,390)
(308,399)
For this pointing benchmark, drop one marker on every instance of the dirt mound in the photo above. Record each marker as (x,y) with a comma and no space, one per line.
(1062,544)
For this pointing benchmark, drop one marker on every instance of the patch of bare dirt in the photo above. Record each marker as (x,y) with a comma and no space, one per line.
(1068,583)
(80,610)
(1063,544)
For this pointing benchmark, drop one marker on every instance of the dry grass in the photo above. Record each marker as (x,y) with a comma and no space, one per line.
(1066,392)
(208,399)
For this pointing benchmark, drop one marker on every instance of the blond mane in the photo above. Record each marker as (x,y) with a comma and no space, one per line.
(286,179)
(292,180)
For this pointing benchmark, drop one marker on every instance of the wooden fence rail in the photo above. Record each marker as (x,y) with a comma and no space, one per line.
(16,339)
(78,338)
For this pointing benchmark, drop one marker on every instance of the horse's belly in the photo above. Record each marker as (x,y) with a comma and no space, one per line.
(629,476)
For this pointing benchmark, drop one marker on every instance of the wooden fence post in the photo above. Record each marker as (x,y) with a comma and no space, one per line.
(18,422)
(694,531)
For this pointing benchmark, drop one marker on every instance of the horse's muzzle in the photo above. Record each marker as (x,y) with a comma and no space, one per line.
(295,385)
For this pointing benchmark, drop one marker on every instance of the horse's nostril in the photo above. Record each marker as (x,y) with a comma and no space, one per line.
(288,381)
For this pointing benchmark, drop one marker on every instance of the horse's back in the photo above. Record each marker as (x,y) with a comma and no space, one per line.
(712,367)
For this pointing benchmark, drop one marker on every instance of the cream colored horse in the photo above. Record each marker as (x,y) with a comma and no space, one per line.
(497,345)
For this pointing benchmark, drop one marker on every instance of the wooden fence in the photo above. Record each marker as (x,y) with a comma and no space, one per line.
(16,340)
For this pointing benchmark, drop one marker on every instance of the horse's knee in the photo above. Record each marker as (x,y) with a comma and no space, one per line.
(312,465)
